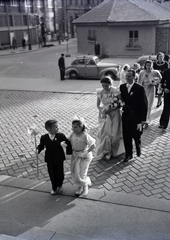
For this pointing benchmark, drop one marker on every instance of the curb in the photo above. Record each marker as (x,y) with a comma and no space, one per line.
(98,195)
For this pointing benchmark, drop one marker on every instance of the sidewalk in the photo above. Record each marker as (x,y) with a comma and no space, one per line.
(34,47)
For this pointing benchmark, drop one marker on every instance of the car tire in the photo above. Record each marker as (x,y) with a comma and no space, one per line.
(111,74)
(73,75)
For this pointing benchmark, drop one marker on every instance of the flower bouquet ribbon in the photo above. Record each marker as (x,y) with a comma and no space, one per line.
(32,132)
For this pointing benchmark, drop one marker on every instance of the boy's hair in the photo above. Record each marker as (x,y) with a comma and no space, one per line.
(80,124)
(49,124)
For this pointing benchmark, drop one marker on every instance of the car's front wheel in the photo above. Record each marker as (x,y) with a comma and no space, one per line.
(110,74)
(73,75)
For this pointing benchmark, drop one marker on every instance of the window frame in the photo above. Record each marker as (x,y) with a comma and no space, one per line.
(91,35)
(14,2)
(133,38)
(2,2)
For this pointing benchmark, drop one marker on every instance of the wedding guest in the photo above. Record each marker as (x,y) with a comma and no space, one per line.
(123,73)
(134,113)
(136,67)
(54,154)
(165,84)
(149,78)
(97,49)
(61,64)
(160,65)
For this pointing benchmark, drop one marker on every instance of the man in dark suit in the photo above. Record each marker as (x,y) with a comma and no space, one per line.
(134,114)
(165,84)
(97,49)
(61,64)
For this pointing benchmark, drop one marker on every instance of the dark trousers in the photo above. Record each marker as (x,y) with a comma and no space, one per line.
(129,133)
(62,74)
(56,174)
(164,120)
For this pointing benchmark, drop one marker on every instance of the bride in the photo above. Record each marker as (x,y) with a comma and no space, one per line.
(110,139)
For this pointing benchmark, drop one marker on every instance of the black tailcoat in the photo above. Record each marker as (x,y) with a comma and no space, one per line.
(134,112)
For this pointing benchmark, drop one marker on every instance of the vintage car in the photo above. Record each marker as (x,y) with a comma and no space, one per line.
(141,60)
(92,67)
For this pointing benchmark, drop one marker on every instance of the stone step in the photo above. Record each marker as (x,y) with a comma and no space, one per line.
(7,237)
(37,233)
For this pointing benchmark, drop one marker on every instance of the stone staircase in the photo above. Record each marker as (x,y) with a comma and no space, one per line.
(35,233)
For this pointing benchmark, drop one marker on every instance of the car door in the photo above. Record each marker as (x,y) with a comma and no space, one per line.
(91,69)
(81,66)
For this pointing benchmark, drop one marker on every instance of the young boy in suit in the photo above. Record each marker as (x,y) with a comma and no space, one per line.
(54,154)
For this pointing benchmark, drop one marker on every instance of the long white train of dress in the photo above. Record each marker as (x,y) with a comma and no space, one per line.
(110,139)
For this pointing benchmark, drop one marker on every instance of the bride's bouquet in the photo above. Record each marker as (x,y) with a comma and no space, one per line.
(114,104)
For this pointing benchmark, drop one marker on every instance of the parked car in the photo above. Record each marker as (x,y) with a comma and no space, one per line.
(141,60)
(92,67)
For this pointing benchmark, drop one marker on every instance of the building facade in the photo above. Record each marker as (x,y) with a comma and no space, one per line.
(71,10)
(125,28)
(27,19)
(30,18)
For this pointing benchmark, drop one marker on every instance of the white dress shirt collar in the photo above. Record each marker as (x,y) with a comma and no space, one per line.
(51,136)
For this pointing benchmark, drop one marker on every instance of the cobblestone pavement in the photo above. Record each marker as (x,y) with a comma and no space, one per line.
(148,175)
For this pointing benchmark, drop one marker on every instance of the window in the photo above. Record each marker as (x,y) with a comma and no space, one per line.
(17,20)
(3,21)
(50,4)
(28,3)
(10,20)
(39,3)
(2,2)
(133,39)
(92,35)
(14,3)
(24,20)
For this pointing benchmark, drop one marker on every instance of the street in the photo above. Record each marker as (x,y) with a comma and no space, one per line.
(19,71)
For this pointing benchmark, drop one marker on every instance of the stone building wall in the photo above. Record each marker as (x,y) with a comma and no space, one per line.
(161,39)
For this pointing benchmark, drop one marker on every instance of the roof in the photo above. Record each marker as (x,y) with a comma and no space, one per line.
(115,11)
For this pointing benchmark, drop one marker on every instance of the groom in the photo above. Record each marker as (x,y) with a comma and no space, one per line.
(134,113)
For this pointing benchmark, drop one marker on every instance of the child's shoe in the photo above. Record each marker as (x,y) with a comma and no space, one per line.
(53,192)
(108,156)
(85,192)
(60,189)
(79,191)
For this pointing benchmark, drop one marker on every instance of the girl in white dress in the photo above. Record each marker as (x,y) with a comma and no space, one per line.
(82,145)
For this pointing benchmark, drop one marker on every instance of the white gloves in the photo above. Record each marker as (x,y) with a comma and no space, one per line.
(63,144)
(84,154)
